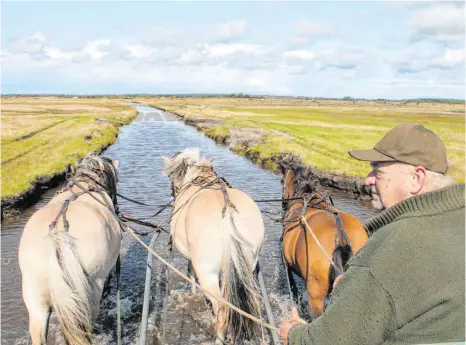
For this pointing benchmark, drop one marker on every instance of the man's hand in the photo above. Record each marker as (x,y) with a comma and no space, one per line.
(287,324)
(337,280)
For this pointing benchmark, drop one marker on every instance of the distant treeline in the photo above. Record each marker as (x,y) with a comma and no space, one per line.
(241,95)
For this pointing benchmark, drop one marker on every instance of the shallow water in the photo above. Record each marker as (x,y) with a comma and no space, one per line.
(138,149)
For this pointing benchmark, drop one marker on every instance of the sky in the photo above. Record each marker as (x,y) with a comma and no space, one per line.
(362,49)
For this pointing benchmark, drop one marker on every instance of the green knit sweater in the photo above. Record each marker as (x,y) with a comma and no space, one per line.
(406,285)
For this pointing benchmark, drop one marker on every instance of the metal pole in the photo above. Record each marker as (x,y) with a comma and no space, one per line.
(145,305)
(268,309)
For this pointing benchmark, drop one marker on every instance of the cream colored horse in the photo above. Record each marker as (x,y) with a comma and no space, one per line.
(214,244)
(65,269)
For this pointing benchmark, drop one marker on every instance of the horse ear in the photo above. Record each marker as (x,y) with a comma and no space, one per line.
(166,160)
(282,167)
(116,164)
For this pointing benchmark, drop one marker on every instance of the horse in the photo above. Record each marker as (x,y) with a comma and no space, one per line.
(318,239)
(67,250)
(220,231)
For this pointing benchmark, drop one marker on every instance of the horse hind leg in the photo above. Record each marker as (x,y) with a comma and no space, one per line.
(293,287)
(192,276)
(210,283)
(316,305)
(39,313)
(316,293)
(107,284)
(97,290)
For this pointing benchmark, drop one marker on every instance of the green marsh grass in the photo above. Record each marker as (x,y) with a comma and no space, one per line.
(42,136)
(322,133)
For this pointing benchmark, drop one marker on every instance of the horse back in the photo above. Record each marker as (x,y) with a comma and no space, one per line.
(355,231)
(303,253)
(94,229)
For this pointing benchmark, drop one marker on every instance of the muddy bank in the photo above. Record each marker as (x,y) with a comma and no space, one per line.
(241,141)
(12,206)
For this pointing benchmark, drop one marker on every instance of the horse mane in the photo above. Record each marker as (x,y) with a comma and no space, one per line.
(186,165)
(305,182)
(99,169)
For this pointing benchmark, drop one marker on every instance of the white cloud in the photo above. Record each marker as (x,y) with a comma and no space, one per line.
(162,37)
(306,31)
(56,54)
(299,55)
(342,58)
(138,51)
(187,65)
(222,50)
(96,49)
(414,60)
(229,31)
(33,44)
(439,21)
(418,83)
(450,59)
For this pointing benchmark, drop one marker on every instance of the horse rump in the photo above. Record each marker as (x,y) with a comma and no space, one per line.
(340,257)
(239,286)
(70,290)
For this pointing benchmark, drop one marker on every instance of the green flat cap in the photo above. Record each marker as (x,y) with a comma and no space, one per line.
(408,143)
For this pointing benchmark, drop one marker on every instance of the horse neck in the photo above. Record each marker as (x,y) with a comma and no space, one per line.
(204,174)
(315,204)
(187,186)
(90,188)
(290,189)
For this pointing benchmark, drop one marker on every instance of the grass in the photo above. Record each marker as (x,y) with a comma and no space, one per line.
(322,132)
(41,136)
(218,132)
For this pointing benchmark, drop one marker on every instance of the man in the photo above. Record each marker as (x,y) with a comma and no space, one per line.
(406,285)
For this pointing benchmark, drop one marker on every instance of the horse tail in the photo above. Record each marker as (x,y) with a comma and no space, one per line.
(70,290)
(239,284)
(340,257)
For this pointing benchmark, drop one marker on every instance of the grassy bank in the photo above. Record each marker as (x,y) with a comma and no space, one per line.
(41,136)
(319,132)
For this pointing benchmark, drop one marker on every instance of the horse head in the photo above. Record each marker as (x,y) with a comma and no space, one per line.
(293,179)
(185,166)
(287,180)
(100,170)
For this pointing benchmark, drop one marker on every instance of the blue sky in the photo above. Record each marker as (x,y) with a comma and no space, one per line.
(372,49)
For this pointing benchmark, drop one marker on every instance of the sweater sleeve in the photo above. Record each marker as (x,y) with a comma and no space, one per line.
(361,313)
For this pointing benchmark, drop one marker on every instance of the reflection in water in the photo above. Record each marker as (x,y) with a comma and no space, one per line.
(188,319)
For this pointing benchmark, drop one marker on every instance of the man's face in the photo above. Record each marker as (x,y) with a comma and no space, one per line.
(387,181)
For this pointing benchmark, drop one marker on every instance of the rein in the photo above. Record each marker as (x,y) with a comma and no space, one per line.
(300,219)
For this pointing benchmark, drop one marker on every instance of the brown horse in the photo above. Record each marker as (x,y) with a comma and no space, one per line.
(318,239)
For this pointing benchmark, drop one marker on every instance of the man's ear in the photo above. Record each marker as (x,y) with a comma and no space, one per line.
(419,179)
(116,164)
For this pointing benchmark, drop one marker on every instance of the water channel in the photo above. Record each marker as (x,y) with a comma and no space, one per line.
(187,318)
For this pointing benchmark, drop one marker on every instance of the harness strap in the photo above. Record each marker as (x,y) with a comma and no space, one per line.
(341,230)
(226,198)
(303,219)
(118,301)
(63,209)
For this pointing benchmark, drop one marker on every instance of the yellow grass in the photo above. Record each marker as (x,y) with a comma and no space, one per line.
(41,136)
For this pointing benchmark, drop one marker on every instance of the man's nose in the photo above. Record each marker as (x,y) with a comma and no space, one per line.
(370,179)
